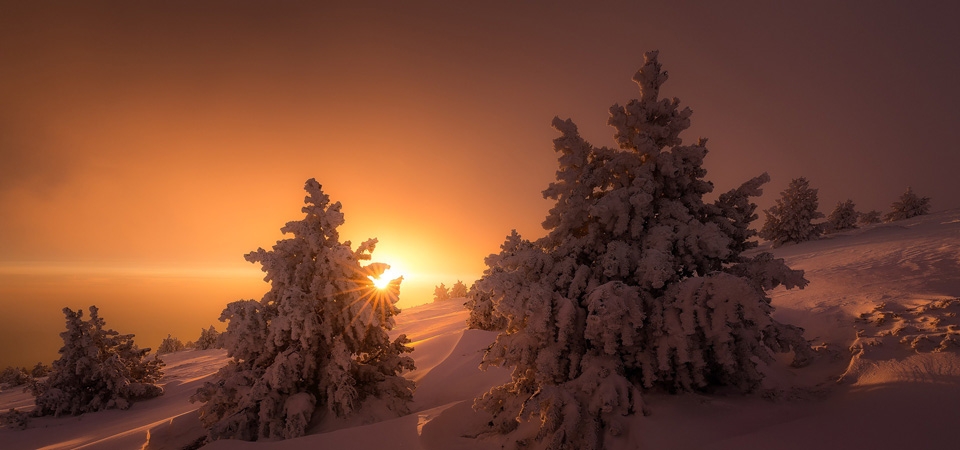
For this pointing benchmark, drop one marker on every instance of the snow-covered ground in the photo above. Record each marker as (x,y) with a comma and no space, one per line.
(882,304)
(116,429)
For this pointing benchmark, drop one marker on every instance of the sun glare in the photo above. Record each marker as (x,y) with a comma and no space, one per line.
(385,278)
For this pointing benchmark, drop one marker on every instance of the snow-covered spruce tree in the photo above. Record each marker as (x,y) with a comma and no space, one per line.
(14,376)
(909,205)
(459,290)
(209,338)
(170,344)
(482,314)
(844,217)
(791,219)
(14,419)
(317,341)
(441,293)
(98,369)
(638,283)
(40,370)
(869,217)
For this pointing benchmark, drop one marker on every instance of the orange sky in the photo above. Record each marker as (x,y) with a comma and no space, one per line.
(145,149)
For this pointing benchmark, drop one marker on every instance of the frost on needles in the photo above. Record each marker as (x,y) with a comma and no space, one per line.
(316,342)
(638,284)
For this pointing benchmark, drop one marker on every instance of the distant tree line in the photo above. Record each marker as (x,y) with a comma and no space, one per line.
(209,338)
(791,219)
(442,292)
(13,376)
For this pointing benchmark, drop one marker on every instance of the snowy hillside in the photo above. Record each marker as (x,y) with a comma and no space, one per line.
(881,305)
(114,429)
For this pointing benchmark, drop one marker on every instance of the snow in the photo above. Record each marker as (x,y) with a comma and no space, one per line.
(184,373)
(864,285)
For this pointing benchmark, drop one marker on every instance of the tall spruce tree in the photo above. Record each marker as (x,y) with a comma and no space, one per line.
(316,341)
(637,285)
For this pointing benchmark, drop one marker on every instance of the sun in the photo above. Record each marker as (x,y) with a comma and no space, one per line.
(383,281)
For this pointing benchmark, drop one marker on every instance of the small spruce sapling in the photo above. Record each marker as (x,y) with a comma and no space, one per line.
(170,344)
(14,376)
(209,338)
(790,220)
(844,217)
(909,205)
(15,419)
(459,290)
(869,217)
(441,292)
(40,370)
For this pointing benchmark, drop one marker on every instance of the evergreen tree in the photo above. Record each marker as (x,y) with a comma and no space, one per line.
(40,370)
(316,341)
(483,312)
(843,217)
(441,292)
(869,217)
(98,369)
(459,290)
(791,219)
(483,315)
(170,344)
(209,338)
(637,285)
(909,205)
(14,419)
(14,376)
(737,212)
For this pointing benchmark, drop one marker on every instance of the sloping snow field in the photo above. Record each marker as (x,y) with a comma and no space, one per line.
(882,306)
